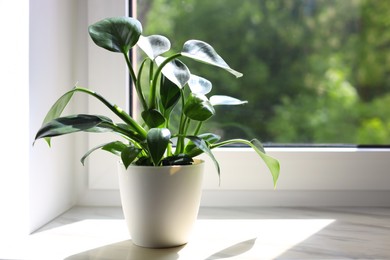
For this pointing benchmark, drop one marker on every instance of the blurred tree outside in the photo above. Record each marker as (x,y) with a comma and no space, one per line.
(315,71)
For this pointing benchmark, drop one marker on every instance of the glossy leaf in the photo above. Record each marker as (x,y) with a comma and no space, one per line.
(116,34)
(198,107)
(204,52)
(72,124)
(115,147)
(158,140)
(57,109)
(272,164)
(199,85)
(154,45)
(169,93)
(129,154)
(176,71)
(217,100)
(203,146)
(179,159)
(153,118)
(209,138)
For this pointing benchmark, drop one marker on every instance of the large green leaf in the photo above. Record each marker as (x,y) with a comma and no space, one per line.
(117,34)
(169,93)
(204,52)
(158,140)
(198,107)
(154,45)
(72,124)
(272,164)
(175,70)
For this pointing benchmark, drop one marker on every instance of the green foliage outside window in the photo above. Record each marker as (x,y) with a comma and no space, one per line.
(318,71)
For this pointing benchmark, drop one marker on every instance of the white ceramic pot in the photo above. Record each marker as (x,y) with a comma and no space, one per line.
(160,204)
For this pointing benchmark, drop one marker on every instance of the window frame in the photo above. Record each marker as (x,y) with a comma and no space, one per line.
(335,176)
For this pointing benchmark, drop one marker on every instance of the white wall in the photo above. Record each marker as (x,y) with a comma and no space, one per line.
(43,54)
(57,62)
(14,129)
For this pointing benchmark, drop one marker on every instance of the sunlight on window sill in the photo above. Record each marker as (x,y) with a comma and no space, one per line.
(211,239)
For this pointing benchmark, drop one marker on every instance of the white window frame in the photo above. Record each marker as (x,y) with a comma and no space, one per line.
(309,176)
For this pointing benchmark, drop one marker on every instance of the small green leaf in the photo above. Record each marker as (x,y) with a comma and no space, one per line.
(176,71)
(129,154)
(57,109)
(154,45)
(116,34)
(158,140)
(199,85)
(198,107)
(169,92)
(115,147)
(204,52)
(179,159)
(153,118)
(209,138)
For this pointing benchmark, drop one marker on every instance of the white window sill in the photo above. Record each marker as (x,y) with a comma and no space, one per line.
(240,233)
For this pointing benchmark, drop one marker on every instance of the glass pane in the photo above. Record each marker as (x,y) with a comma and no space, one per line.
(315,71)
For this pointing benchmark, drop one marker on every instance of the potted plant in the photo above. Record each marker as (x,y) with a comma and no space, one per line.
(160,178)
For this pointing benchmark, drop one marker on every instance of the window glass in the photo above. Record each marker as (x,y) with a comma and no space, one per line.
(315,71)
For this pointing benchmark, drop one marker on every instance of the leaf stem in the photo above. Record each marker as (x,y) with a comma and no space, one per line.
(138,87)
(153,89)
(198,127)
(117,110)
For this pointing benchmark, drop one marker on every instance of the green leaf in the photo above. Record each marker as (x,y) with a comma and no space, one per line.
(116,34)
(72,124)
(217,100)
(153,118)
(272,164)
(154,45)
(57,109)
(198,107)
(203,146)
(175,70)
(157,140)
(115,147)
(169,93)
(179,159)
(129,154)
(199,85)
(204,52)
(209,138)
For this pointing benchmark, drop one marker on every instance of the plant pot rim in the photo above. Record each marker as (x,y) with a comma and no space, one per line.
(195,163)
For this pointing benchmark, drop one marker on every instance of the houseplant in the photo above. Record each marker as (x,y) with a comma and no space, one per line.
(152,142)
